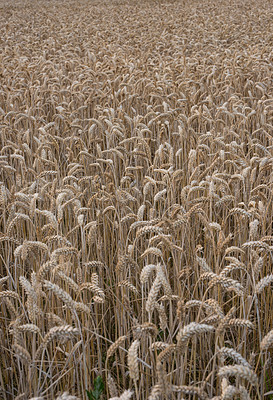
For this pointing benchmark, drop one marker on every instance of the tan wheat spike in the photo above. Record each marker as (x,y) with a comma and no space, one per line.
(146,272)
(231,353)
(63,251)
(230,268)
(148,229)
(98,299)
(22,353)
(166,353)
(133,361)
(159,346)
(54,319)
(171,297)
(95,279)
(233,249)
(194,303)
(4,238)
(263,283)
(58,238)
(66,396)
(190,390)
(129,285)
(160,273)
(258,267)
(211,320)
(153,294)
(11,307)
(208,275)
(93,288)
(36,244)
(191,330)
(94,264)
(61,333)
(112,386)
(160,195)
(157,392)
(48,214)
(162,316)
(225,320)
(234,260)
(162,380)
(70,282)
(126,395)
(128,218)
(231,391)
(115,345)
(244,393)
(227,283)
(244,323)
(214,305)
(239,211)
(29,328)
(153,251)
(60,293)
(146,224)
(28,288)
(203,264)
(267,341)
(239,371)
(33,309)
(81,307)
(16,219)
(79,276)
(256,244)
(146,328)
(9,293)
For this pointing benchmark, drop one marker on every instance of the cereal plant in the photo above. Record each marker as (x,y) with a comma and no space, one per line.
(136,188)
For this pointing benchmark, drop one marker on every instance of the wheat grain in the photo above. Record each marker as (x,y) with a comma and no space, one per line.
(263,283)
(136,198)
(267,341)
(126,395)
(22,353)
(190,390)
(240,371)
(60,293)
(66,396)
(132,360)
(191,330)
(231,353)
(115,346)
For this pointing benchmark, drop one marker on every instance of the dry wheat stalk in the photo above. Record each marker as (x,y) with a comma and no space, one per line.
(122,148)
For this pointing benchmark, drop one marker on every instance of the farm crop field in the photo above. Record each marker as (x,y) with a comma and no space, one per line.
(136,185)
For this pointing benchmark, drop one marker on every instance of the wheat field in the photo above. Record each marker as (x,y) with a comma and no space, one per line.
(136,185)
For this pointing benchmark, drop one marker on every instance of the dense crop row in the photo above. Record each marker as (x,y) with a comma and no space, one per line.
(136,194)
